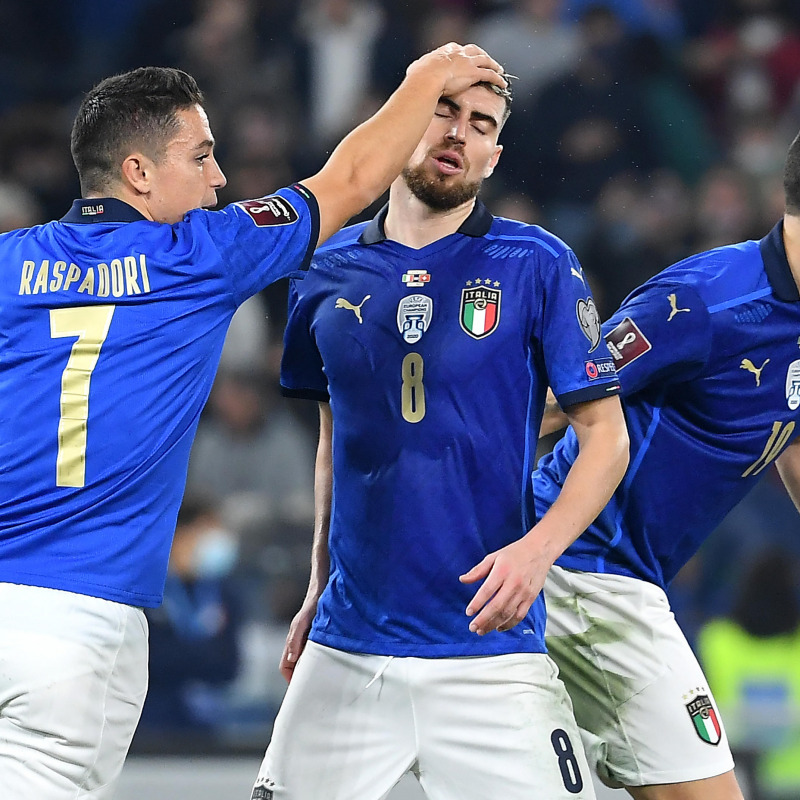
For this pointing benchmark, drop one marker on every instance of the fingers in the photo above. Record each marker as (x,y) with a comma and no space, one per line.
(477,572)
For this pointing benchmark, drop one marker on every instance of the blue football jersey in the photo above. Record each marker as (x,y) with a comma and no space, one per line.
(111,328)
(436,362)
(708,355)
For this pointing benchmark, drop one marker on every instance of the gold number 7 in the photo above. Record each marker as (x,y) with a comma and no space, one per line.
(90,324)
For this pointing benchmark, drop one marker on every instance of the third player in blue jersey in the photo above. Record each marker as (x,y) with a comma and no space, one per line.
(708,357)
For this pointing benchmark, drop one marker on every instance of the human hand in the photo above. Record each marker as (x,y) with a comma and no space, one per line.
(460,66)
(514,576)
(297,637)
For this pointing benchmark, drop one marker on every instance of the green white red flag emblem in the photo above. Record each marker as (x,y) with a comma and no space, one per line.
(705,719)
(480,310)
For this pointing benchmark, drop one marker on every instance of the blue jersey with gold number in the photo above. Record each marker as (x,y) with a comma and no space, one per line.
(708,355)
(111,328)
(436,362)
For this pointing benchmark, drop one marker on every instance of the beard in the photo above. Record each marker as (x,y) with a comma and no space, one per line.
(435,192)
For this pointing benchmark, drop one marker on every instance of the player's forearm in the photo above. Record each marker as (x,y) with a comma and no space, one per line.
(598,468)
(553,419)
(788,465)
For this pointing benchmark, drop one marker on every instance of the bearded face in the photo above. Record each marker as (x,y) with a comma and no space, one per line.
(439,191)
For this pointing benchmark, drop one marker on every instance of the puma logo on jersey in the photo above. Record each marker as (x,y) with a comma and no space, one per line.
(751,367)
(673,304)
(342,303)
(578,273)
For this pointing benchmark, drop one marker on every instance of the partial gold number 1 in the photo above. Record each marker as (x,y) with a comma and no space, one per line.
(90,324)
(413,392)
(777,439)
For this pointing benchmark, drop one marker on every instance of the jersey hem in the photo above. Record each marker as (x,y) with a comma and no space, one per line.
(448,650)
(88,589)
(594,392)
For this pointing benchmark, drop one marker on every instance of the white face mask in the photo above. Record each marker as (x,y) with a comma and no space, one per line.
(216,554)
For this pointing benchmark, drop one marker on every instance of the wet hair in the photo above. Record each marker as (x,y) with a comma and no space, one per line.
(136,110)
(791,178)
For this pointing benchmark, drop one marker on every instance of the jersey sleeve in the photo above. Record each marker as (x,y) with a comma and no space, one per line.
(662,332)
(266,239)
(579,366)
(302,371)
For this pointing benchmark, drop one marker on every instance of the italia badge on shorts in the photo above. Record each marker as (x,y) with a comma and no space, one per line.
(705,719)
(480,308)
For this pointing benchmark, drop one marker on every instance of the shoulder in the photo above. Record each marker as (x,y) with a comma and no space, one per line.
(346,237)
(510,232)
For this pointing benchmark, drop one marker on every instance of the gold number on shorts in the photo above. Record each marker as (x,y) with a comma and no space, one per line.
(90,324)
(413,392)
(777,439)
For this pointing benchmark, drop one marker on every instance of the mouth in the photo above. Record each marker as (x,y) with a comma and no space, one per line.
(449,162)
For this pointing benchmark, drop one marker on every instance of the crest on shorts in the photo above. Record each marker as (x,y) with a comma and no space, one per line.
(705,719)
(263,790)
(414,314)
(480,309)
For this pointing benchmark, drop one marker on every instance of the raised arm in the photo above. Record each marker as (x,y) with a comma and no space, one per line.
(320,561)
(368,159)
(514,575)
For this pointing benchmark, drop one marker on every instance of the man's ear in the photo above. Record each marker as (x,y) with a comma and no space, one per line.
(137,172)
(493,162)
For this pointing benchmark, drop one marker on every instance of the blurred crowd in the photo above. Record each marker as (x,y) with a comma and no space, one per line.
(642,131)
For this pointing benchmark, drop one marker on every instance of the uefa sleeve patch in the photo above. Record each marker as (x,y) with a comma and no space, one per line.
(600,368)
(626,343)
(268,211)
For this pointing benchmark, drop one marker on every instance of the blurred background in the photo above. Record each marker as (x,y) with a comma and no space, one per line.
(642,131)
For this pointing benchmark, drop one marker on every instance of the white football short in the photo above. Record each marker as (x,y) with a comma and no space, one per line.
(73,677)
(351,725)
(640,697)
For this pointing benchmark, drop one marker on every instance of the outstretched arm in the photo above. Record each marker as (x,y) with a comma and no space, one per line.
(320,562)
(368,159)
(514,575)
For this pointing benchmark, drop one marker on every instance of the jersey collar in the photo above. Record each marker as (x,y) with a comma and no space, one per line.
(777,267)
(101,209)
(476,224)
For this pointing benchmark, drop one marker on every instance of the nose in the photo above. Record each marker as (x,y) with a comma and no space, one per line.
(217,179)
(458,132)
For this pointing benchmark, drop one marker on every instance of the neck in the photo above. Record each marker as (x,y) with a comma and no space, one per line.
(791,241)
(412,223)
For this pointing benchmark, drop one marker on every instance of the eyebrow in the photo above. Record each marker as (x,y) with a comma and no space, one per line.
(473,115)
(204,144)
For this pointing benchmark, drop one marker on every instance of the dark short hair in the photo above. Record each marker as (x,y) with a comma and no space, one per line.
(506,94)
(136,110)
(791,178)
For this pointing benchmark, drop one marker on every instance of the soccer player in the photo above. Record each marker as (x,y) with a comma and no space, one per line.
(111,325)
(708,357)
(428,336)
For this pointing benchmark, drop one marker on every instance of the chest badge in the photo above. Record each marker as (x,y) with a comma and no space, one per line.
(414,314)
(751,367)
(480,309)
(793,385)
(416,277)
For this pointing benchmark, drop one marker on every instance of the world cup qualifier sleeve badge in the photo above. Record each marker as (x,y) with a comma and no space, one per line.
(480,308)
(705,719)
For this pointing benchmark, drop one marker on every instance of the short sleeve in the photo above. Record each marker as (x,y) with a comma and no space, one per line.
(261,241)
(302,371)
(662,332)
(579,366)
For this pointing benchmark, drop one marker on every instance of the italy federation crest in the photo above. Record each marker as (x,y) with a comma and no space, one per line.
(480,310)
(414,314)
(705,719)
